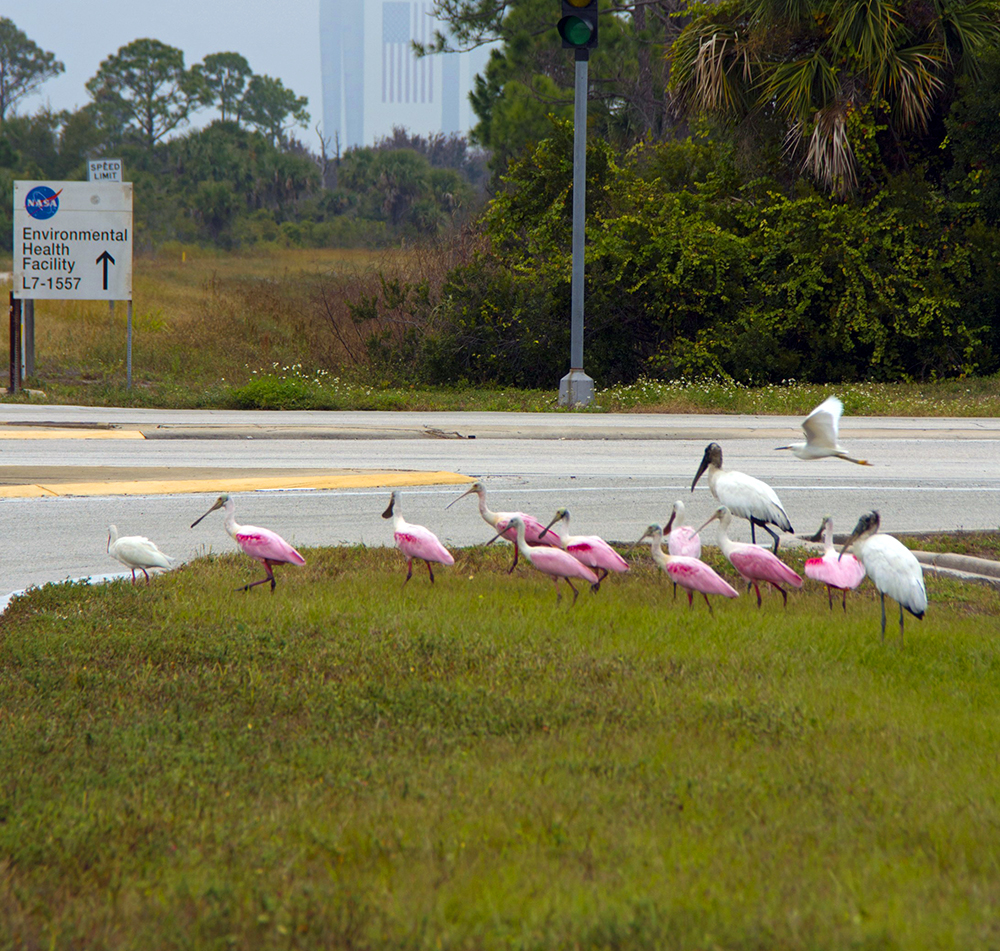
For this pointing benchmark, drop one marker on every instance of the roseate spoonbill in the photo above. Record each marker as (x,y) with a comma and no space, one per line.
(553,562)
(893,568)
(261,544)
(136,551)
(590,550)
(415,541)
(743,495)
(755,564)
(841,573)
(681,539)
(500,521)
(820,428)
(687,571)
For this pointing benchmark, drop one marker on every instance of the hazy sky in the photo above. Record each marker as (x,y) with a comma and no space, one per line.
(279,38)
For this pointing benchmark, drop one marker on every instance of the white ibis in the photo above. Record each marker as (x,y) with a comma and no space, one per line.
(500,521)
(755,564)
(136,551)
(743,495)
(415,541)
(893,568)
(820,428)
(590,550)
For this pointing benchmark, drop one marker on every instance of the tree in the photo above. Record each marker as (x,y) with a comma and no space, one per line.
(272,109)
(839,76)
(144,90)
(24,66)
(225,77)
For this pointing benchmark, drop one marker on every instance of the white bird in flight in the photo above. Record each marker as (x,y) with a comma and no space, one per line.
(820,428)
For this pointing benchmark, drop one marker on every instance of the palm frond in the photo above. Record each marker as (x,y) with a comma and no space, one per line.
(800,88)
(912,82)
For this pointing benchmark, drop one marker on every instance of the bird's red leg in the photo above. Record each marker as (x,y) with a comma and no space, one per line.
(409,570)
(758,592)
(146,573)
(133,576)
(709,603)
(690,599)
(514,562)
(558,592)
(429,571)
(784,593)
(265,580)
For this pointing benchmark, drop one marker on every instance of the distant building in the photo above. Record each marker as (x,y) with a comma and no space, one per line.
(372,81)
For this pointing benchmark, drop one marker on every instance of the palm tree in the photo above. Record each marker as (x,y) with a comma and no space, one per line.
(829,70)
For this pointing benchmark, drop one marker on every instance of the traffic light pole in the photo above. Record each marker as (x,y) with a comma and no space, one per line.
(576,388)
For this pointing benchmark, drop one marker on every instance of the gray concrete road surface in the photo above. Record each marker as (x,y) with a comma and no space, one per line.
(616,474)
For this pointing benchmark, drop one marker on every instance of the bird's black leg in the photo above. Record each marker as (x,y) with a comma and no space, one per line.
(753,533)
(558,590)
(514,562)
(675,590)
(784,593)
(901,626)
(882,596)
(709,603)
(829,596)
(571,588)
(845,600)
(430,571)
(773,535)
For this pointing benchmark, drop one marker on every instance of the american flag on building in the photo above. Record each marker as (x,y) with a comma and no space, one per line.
(405,78)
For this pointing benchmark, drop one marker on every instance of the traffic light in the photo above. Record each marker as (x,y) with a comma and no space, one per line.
(578,26)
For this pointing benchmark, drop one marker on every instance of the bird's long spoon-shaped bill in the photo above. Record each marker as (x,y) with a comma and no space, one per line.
(388,512)
(850,541)
(715,515)
(218,505)
(468,491)
(542,533)
(495,537)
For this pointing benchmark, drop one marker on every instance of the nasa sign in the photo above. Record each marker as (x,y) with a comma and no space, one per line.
(72,241)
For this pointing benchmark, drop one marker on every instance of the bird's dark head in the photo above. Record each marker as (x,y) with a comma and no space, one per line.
(867,525)
(712,457)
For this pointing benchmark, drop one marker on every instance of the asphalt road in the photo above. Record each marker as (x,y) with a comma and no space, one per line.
(616,474)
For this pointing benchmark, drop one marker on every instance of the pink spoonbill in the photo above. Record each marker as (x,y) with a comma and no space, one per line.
(681,539)
(820,428)
(688,572)
(590,550)
(743,495)
(415,541)
(261,544)
(500,521)
(553,562)
(755,564)
(136,551)
(893,568)
(844,574)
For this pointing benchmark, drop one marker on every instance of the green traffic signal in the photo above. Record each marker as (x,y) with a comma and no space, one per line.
(578,25)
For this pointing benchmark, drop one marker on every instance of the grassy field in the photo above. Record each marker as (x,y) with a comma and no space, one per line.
(272,330)
(349,763)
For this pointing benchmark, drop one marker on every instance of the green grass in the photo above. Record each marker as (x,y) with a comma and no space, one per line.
(351,763)
(274,330)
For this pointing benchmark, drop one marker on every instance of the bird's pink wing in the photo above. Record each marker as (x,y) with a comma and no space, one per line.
(555,561)
(265,545)
(415,541)
(596,553)
(697,576)
(846,572)
(684,541)
(759,564)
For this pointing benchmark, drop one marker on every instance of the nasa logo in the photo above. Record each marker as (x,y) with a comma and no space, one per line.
(42,202)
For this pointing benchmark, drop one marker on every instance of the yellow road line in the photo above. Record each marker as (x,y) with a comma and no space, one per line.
(34,432)
(181,486)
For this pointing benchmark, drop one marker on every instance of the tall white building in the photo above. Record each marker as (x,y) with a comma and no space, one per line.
(372,81)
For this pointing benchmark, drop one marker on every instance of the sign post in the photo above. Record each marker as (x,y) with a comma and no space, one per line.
(73,241)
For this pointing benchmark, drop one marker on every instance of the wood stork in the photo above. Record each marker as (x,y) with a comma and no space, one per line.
(743,495)
(755,564)
(261,544)
(136,551)
(844,574)
(688,572)
(820,428)
(415,541)
(591,550)
(893,568)
(500,521)
(554,562)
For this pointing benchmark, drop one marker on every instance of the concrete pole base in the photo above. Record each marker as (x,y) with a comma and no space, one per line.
(576,389)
